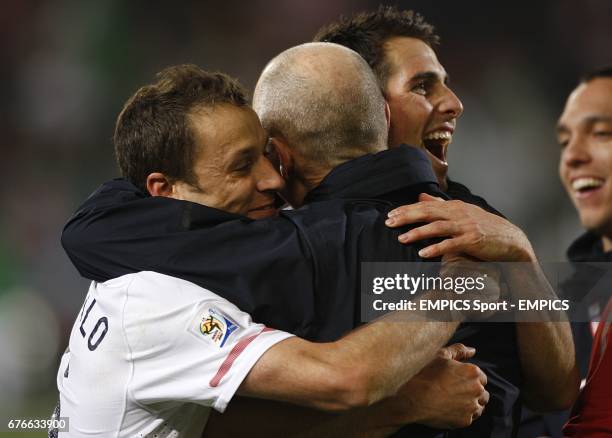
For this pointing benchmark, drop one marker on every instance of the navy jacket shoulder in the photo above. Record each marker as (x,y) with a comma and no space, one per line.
(277,269)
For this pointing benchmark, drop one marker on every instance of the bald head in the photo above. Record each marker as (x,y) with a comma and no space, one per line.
(323,99)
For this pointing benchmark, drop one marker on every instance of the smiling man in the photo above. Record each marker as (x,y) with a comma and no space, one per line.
(233,176)
(585,135)
(398,46)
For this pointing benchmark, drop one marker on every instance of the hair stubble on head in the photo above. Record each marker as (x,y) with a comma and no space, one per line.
(323,99)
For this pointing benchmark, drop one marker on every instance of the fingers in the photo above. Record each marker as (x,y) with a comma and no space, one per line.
(471,371)
(448,246)
(428,231)
(424,197)
(459,352)
(478,412)
(484,398)
(482,377)
(419,212)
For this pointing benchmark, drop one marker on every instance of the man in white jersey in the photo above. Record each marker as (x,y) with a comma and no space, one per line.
(143,361)
(150,354)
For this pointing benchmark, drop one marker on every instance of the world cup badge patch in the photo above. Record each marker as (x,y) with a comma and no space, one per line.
(215,327)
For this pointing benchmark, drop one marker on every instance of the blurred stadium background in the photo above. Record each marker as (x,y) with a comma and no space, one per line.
(68,66)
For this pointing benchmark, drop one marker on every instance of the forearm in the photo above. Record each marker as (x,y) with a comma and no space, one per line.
(403,348)
(546,348)
(347,374)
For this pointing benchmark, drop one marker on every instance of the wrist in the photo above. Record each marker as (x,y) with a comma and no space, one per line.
(395,412)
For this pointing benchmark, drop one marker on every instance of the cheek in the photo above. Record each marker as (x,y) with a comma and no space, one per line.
(240,194)
(608,158)
(410,114)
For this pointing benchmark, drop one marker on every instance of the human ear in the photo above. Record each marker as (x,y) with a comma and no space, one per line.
(159,185)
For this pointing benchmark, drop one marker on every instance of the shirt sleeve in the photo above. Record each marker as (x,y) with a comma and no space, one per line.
(188,344)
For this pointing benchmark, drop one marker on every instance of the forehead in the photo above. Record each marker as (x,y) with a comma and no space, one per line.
(410,56)
(587,101)
(225,128)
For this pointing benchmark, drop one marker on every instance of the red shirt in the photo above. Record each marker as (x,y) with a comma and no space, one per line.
(592,413)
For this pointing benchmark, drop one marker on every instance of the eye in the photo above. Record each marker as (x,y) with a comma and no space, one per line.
(244,165)
(563,142)
(420,88)
(602,134)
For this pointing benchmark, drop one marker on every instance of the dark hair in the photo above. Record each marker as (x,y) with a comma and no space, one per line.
(367,32)
(605,72)
(153,132)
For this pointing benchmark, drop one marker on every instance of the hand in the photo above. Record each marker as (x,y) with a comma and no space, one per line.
(468,230)
(446,394)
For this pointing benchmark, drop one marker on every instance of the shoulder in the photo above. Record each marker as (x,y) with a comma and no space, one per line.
(462,193)
(164,291)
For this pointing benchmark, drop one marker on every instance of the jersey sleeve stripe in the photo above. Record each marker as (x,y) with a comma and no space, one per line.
(233,355)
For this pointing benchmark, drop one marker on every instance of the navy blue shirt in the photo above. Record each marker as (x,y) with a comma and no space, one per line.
(298,272)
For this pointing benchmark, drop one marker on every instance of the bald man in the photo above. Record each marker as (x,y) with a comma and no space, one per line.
(293,271)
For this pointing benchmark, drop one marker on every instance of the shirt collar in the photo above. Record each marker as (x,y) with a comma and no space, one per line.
(373,175)
(588,248)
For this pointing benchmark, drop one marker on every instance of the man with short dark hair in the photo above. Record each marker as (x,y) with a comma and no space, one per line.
(156,114)
(160,126)
(399,47)
(584,132)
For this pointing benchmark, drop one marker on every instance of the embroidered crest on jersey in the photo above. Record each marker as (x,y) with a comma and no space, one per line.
(215,327)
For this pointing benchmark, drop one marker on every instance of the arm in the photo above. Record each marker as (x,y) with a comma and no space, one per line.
(542,344)
(472,231)
(445,394)
(347,373)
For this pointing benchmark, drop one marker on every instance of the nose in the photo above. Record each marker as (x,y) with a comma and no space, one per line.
(576,152)
(450,103)
(268,179)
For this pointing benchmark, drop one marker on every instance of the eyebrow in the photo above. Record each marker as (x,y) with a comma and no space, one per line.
(588,120)
(598,118)
(430,76)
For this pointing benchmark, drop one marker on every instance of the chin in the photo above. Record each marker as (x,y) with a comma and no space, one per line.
(597,224)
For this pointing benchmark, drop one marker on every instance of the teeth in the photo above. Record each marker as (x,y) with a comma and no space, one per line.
(586,183)
(438,135)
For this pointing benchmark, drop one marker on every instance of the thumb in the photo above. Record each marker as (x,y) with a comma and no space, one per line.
(460,352)
(424,197)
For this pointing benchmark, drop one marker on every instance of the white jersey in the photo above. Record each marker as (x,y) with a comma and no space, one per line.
(150,355)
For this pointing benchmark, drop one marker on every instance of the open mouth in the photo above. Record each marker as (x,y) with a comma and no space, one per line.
(436,144)
(586,186)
